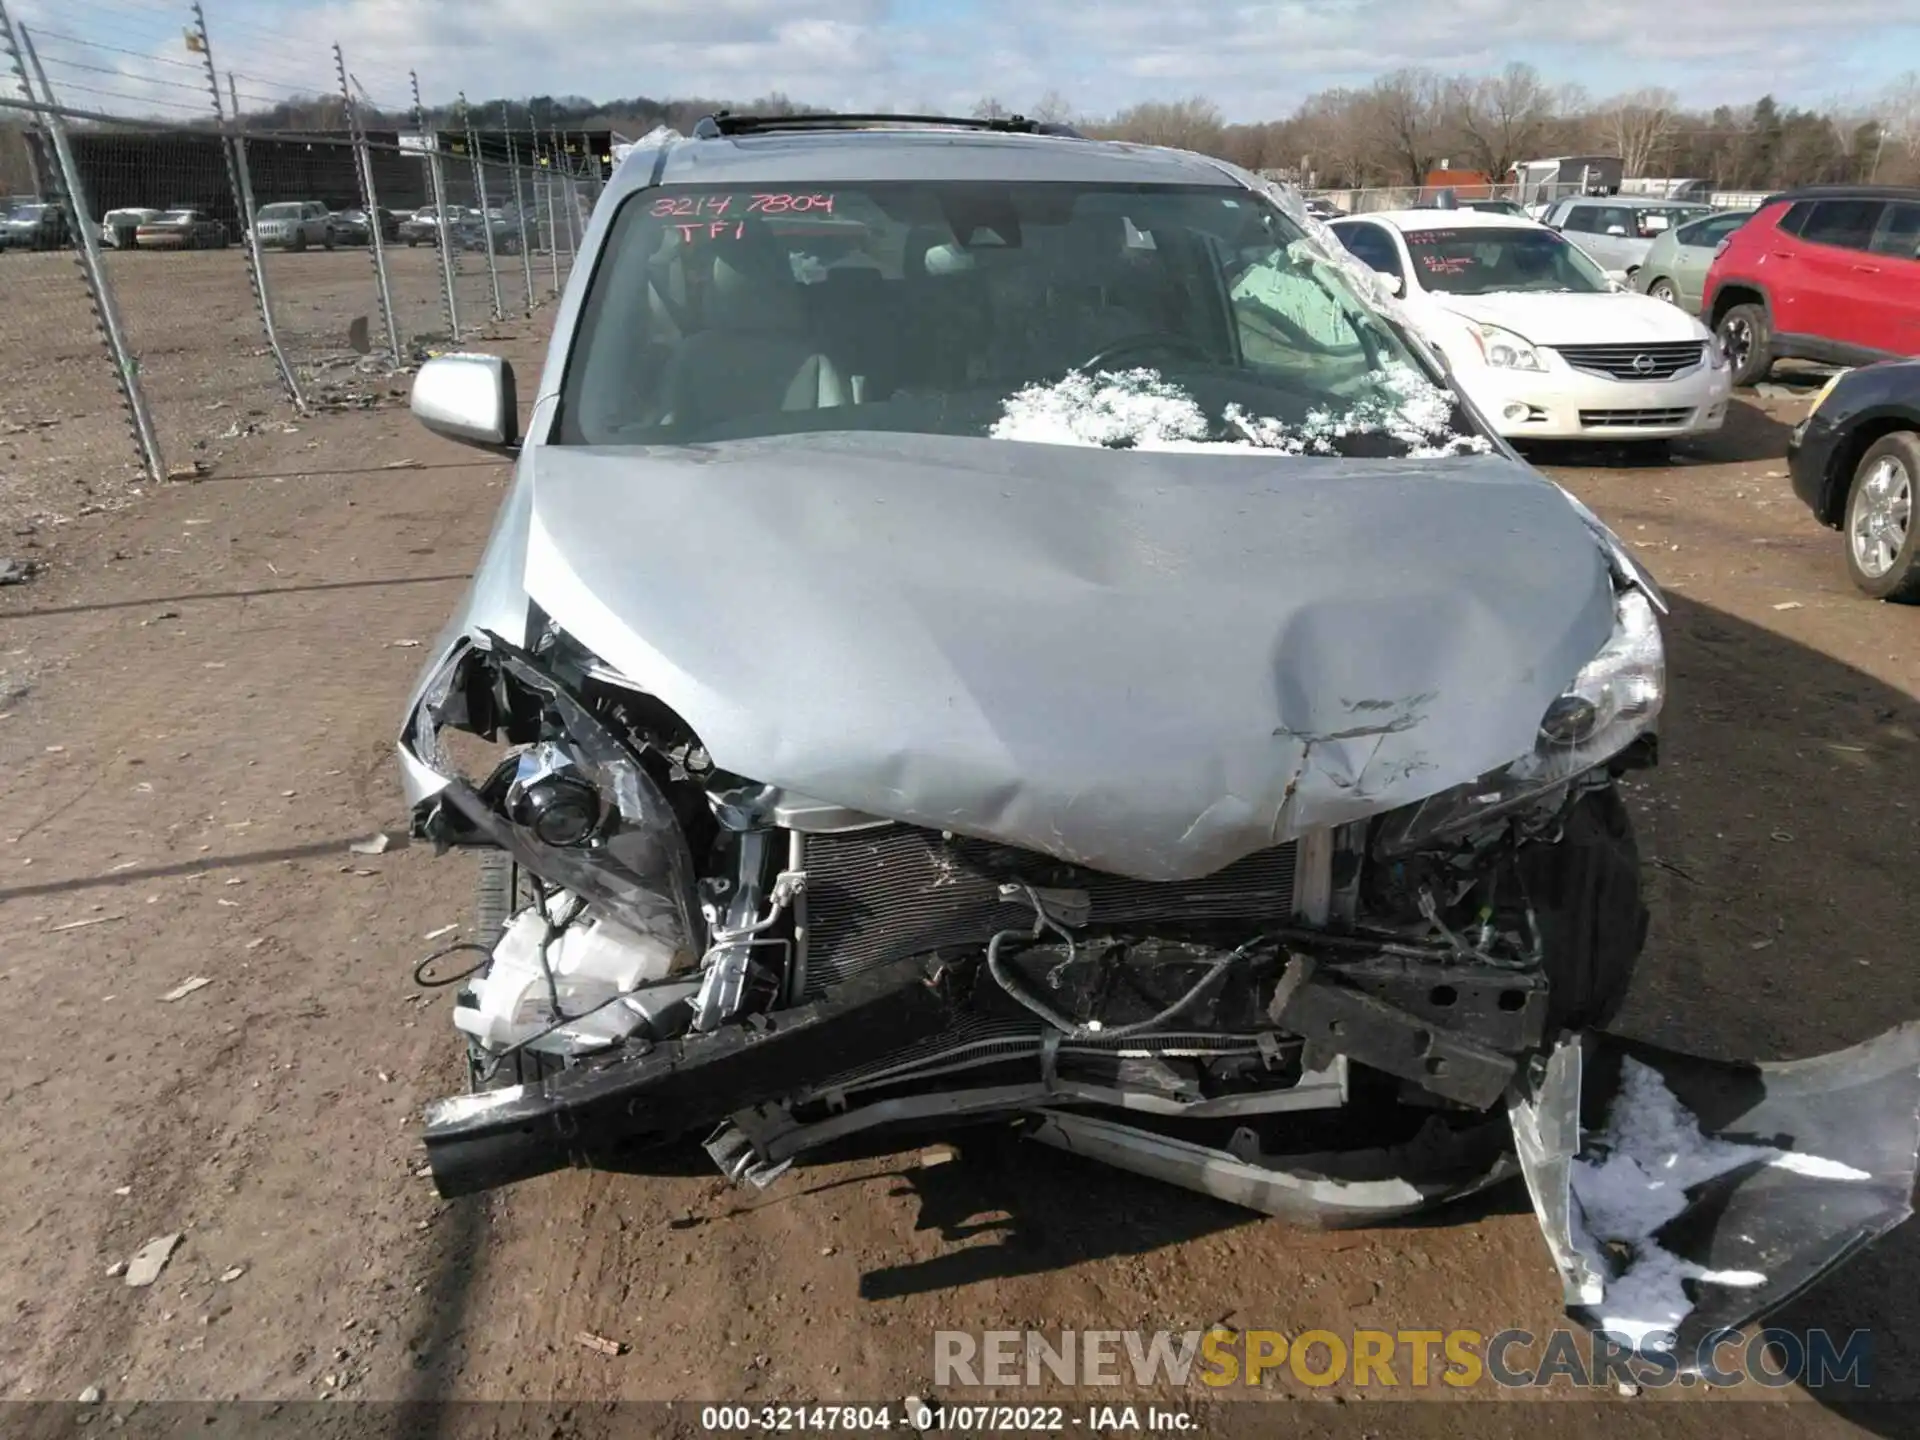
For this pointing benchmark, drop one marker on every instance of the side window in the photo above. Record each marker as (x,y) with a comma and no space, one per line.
(1372,246)
(1899,232)
(1846,223)
(1613,217)
(1578,219)
(1796,217)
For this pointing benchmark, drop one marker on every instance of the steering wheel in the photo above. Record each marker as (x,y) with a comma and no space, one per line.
(1147,340)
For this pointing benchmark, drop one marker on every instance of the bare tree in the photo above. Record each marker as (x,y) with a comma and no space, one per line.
(1401,116)
(1639,127)
(1052,108)
(988,107)
(1898,110)
(1503,117)
(1334,149)
(1191,124)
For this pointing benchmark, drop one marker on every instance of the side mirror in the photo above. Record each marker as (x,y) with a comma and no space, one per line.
(1395,285)
(469,398)
(1616,230)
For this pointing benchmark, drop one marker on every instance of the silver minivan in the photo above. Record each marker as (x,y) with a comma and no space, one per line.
(1617,230)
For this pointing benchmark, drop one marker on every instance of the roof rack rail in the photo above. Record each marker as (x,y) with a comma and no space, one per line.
(725,122)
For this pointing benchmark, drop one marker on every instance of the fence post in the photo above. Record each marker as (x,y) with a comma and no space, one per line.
(72,193)
(369,197)
(432,142)
(545,181)
(486,212)
(234,150)
(561,165)
(519,204)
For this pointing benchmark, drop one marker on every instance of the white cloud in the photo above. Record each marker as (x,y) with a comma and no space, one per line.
(1256,60)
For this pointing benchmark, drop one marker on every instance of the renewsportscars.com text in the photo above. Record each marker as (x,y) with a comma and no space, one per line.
(1396,1359)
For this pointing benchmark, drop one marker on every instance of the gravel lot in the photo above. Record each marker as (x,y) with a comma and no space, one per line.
(197,701)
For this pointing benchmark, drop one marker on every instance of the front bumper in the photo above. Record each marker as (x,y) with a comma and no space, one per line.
(1812,450)
(1562,403)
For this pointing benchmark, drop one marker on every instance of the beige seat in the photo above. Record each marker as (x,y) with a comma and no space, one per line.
(753,354)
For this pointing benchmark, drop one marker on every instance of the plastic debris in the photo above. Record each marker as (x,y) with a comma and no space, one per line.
(18,572)
(228,1276)
(187,987)
(150,1259)
(443,930)
(373,845)
(82,924)
(92,1395)
(600,1343)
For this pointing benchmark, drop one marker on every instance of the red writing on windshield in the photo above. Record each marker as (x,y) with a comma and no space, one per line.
(756,203)
(1446,264)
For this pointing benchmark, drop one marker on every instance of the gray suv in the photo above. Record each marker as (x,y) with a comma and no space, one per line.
(993,625)
(1618,230)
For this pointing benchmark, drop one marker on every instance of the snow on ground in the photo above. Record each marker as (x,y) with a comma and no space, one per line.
(1644,1162)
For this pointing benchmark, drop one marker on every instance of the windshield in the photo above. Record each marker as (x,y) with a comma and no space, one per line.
(1492,258)
(27,212)
(1657,219)
(982,309)
(280,212)
(178,215)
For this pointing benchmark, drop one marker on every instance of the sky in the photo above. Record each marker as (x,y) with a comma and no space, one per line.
(1255,61)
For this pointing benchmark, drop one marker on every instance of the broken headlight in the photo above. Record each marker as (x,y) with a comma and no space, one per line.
(1614,700)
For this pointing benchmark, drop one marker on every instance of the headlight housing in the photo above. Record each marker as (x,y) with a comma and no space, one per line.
(1505,350)
(1614,700)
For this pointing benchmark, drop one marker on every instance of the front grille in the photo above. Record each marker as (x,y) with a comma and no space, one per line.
(884,894)
(1594,419)
(1635,362)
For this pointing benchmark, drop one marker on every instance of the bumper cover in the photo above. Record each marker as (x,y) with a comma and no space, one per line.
(1810,459)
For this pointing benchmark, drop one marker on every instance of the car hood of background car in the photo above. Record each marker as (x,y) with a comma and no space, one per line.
(1568,319)
(1148,663)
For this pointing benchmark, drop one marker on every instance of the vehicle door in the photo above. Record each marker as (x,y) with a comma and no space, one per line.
(1896,259)
(1612,237)
(1838,276)
(1695,245)
(1580,223)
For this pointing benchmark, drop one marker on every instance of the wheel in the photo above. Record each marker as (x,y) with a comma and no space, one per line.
(328,242)
(299,241)
(1663,289)
(1882,551)
(500,892)
(1592,922)
(1747,336)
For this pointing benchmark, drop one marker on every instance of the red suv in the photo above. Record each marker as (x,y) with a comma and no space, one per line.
(1830,273)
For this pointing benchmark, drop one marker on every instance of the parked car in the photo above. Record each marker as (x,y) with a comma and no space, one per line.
(296,225)
(353,227)
(35,225)
(1675,267)
(1855,461)
(1495,207)
(1830,273)
(1619,230)
(471,230)
(1540,339)
(118,228)
(424,226)
(1140,702)
(1324,210)
(182,230)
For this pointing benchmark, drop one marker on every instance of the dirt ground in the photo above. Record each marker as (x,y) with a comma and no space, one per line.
(197,703)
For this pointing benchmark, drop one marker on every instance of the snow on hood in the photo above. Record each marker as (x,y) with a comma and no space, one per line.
(1549,318)
(1140,410)
(1636,1180)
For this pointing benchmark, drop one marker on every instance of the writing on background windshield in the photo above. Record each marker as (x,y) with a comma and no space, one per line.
(1486,260)
(930,307)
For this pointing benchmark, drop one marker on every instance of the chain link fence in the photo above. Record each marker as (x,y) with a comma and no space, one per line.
(204,268)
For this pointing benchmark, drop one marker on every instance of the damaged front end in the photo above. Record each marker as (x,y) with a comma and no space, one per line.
(1351,1025)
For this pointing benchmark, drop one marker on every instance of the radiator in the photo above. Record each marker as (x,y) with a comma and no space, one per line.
(884,894)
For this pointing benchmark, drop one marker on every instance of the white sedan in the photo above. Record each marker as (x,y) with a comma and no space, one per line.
(1543,343)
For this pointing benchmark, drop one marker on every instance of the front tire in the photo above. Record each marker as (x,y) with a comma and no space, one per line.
(1592,919)
(1663,289)
(1883,551)
(1746,335)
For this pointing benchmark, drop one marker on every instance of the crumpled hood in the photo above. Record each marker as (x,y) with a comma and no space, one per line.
(1147,663)
(1549,319)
